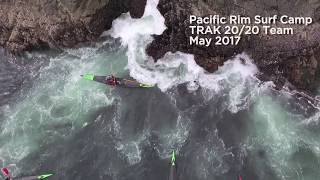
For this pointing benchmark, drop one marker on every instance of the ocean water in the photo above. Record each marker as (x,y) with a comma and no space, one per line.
(222,125)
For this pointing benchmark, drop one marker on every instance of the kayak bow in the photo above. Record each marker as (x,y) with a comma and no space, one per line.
(44,176)
(173,167)
(146,86)
(173,158)
(89,77)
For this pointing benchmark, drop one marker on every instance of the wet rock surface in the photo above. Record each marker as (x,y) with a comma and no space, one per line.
(285,59)
(26,25)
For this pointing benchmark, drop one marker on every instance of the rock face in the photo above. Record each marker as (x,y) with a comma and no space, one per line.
(281,58)
(26,24)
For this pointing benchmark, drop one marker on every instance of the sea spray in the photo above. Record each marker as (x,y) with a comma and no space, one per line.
(173,68)
(235,79)
(234,86)
(58,104)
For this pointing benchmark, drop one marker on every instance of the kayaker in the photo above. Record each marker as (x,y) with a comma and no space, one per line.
(115,81)
(5,172)
(112,81)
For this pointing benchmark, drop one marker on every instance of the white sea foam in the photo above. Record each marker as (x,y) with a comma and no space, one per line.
(174,69)
(132,148)
(58,103)
(235,79)
(178,68)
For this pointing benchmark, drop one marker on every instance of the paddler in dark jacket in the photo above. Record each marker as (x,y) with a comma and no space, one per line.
(112,81)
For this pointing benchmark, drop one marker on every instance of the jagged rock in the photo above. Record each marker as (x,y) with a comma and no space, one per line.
(279,57)
(27,24)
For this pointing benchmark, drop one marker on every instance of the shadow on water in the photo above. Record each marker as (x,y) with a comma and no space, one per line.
(92,152)
(143,109)
(132,139)
(111,147)
(17,73)
(12,77)
(89,154)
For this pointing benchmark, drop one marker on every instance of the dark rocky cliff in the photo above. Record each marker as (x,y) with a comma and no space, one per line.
(27,24)
(281,58)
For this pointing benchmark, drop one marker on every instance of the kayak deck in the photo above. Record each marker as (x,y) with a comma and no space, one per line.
(132,84)
(125,83)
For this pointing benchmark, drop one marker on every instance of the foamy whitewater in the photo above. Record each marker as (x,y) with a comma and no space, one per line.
(236,78)
(221,124)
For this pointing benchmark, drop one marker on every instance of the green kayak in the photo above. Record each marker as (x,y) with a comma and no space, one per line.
(115,81)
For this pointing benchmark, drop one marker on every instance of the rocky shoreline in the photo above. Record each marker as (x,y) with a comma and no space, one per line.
(286,59)
(26,25)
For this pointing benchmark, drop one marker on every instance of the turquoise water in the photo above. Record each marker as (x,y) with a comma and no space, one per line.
(222,125)
(281,142)
(230,126)
(59,102)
